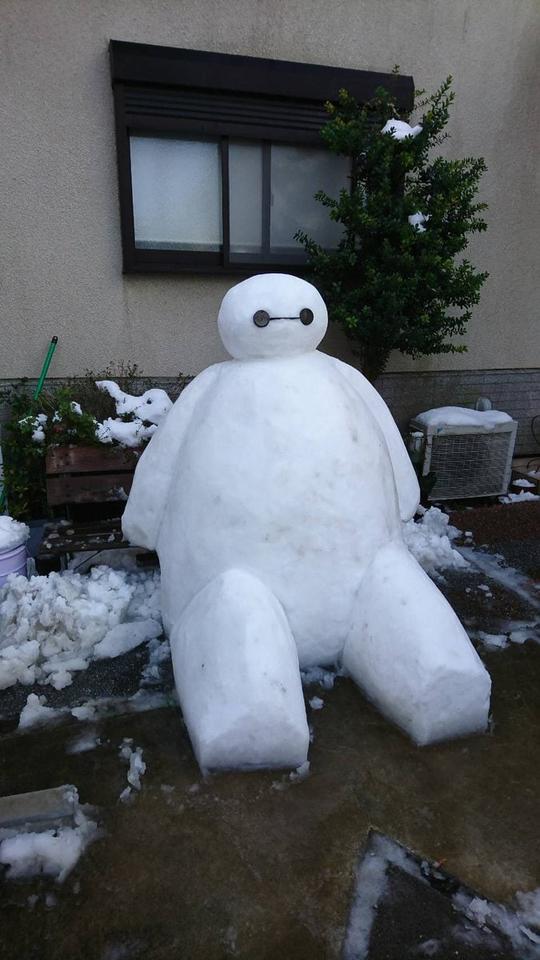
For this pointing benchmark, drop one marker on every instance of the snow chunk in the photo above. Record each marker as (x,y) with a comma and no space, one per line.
(12,533)
(429,541)
(137,767)
(35,713)
(126,636)
(316,703)
(462,417)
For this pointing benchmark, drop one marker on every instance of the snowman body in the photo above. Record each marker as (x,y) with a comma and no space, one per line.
(274,492)
(286,474)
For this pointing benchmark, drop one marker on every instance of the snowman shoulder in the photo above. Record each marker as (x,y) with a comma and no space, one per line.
(147,500)
(405,477)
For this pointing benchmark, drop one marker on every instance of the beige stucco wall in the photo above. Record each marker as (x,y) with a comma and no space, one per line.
(60,240)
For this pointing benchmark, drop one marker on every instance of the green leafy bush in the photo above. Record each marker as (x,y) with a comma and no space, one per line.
(63,414)
(394,284)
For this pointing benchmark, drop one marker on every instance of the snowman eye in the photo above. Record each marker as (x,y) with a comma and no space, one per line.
(261,318)
(306,316)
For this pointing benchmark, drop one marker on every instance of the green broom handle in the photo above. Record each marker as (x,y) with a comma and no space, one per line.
(45,367)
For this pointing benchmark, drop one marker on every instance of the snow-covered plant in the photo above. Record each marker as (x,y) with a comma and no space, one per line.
(398,280)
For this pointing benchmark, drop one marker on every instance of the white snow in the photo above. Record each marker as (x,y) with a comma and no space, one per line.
(417,220)
(136,767)
(126,636)
(128,434)
(400,130)
(316,703)
(53,853)
(519,497)
(430,541)
(12,533)
(76,408)
(52,626)
(462,417)
(522,482)
(152,406)
(518,635)
(276,513)
(146,411)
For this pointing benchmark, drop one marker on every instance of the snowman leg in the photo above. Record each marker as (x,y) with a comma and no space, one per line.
(237,676)
(411,656)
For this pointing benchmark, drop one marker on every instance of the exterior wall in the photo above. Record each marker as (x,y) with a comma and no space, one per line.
(60,239)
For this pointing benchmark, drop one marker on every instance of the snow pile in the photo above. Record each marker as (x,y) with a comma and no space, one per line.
(137,768)
(52,853)
(53,626)
(429,541)
(12,533)
(462,417)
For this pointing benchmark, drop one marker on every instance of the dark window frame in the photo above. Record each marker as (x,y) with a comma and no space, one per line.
(167,91)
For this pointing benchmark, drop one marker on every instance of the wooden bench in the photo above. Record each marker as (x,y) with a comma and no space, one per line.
(84,483)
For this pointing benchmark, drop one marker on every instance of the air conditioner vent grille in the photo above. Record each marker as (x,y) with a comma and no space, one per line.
(469,465)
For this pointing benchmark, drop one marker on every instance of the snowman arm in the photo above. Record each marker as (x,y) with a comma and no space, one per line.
(147,500)
(405,477)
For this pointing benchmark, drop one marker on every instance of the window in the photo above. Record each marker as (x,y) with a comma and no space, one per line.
(219,157)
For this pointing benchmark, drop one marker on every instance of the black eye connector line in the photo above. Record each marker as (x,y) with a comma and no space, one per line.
(261,318)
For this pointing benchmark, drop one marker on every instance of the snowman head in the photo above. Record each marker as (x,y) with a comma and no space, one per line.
(272,315)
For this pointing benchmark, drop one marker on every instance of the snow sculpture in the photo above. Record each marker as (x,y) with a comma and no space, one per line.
(147,411)
(274,494)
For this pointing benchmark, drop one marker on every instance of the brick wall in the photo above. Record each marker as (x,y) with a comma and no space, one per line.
(517,392)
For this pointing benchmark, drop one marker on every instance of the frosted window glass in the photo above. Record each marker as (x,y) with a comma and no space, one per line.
(176,193)
(245,185)
(297,173)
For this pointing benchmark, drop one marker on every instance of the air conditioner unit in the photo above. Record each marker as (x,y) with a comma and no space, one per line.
(465,460)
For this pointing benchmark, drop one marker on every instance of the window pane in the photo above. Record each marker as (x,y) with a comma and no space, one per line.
(176,193)
(246,196)
(297,173)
